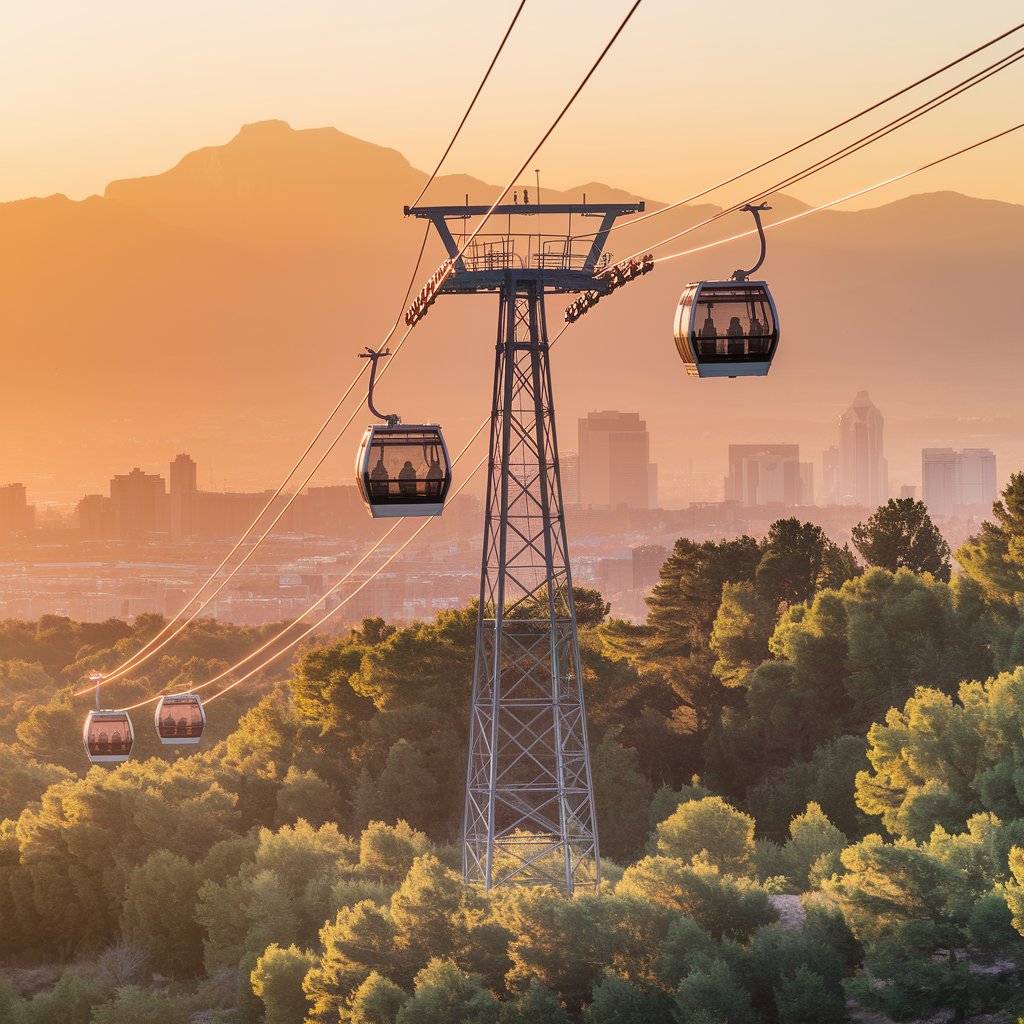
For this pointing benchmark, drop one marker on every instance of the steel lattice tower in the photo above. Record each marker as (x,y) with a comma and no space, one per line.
(529,811)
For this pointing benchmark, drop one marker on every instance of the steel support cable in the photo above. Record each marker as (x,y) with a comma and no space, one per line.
(904,119)
(316,625)
(123,670)
(472,102)
(812,139)
(162,639)
(846,198)
(450,264)
(138,661)
(295,622)
(710,245)
(323,597)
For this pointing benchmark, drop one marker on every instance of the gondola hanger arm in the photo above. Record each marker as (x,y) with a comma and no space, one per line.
(743,275)
(391,419)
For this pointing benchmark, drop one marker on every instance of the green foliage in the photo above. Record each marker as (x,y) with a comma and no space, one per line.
(711,830)
(159,903)
(388,851)
(743,626)
(812,836)
(535,1005)
(277,982)
(376,1001)
(722,905)
(902,891)
(303,794)
(940,761)
(994,558)
(23,781)
(616,1001)
(797,561)
(713,993)
(72,1001)
(568,944)
(805,998)
(897,980)
(445,995)
(1013,890)
(901,535)
(359,941)
(687,946)
(841,662)
(621,796)
(135,1005)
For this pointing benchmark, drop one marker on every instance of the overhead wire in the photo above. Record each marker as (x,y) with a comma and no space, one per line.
(814,138)
(162,639)
(472,102)
(426,523)
(579,88)
(846,198)
(948,94)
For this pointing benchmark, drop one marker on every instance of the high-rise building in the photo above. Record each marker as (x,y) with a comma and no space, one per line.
(16,514)
(978,477)
(764,474)
(952,480)
(139,501)
(908,491)
(863,473)
(614,461)
(183,496)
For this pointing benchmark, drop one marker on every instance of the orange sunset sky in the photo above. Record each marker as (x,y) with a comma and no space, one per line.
(117,88)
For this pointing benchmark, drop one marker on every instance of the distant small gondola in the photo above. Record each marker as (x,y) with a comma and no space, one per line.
(180,718)
(401,470)
(108,737)
(728,328)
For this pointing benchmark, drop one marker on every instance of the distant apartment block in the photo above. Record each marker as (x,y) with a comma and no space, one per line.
(831,487)
(139,501)
(863,471)
(16,514)
(569,471)
(614,462)
(647,562)
(768,474)
(951,480)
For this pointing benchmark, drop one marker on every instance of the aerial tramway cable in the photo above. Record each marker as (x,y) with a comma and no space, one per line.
(162,638)
(405,544)
(904,119)
(807,142)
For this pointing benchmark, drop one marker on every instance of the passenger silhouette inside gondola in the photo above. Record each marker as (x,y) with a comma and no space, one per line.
(435,475)
(735,337)
(758,343)
(708,334)
(379,477)
(407,480)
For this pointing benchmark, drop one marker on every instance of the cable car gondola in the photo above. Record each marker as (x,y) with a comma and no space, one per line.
(401,470)
(180,718)
(729,328)
(108,736)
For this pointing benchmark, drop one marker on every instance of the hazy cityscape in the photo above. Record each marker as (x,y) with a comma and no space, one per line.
(147,544)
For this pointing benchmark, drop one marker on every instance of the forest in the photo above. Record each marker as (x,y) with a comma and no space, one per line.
(809,774)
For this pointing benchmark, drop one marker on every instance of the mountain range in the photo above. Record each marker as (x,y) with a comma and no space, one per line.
(218,308)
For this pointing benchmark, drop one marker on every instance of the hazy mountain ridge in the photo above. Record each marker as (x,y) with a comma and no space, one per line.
(218,306)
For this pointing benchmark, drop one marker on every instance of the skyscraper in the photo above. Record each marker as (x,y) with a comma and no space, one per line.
(863,473)
(183,496)
(830,475)
(615,465)
(951,479)
(764,474)
(978,477)
(16,514)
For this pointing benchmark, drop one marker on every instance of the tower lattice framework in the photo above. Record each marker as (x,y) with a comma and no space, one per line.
(529,814)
